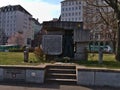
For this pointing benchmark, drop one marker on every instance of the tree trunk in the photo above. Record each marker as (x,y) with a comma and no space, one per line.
(114,46)
(118,42)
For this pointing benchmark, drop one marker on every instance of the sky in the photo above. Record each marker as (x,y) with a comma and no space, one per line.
(44,10)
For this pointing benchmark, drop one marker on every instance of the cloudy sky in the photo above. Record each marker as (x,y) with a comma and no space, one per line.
(44,10)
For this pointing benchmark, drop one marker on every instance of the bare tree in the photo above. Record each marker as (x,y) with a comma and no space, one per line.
(115,4)
(16,39)
(101,21)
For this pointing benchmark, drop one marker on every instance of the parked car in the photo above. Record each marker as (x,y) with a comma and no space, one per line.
(95,48)
(107,48)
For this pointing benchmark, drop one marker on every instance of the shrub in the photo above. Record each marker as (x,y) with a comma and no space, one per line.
(16,50)
(39,54)
(66,59)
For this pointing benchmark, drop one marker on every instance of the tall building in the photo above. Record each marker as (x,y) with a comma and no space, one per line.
(93,14)
(87,11)
(72,10)
(16,19)
(36,30)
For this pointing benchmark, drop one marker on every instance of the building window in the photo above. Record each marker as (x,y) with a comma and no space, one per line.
(76,13)
(76,8)
(79,18)
(79,2)
(63,14)
(72,3)
(76,3)
(72,19)
(28,41)
(66,3)
(79,7)
(62,9)
(76,19)
(66,14)
(73,14)
(69,3)
(66,9)
(72,8)
(69,14)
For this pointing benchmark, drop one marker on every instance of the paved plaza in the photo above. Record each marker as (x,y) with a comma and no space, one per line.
(50,86)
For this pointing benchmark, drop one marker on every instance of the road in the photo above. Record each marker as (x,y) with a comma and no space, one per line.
(49,86)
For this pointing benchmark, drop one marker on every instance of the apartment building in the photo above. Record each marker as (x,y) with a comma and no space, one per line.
(93,14)
(16,19)
(72,10)
(89,12)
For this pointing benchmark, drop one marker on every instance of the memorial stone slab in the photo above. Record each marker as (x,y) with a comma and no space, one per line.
(52,44)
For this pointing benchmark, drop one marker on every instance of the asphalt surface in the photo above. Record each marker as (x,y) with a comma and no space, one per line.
(50,86)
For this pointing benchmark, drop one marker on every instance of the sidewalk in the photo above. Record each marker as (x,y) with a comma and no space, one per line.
(53,86)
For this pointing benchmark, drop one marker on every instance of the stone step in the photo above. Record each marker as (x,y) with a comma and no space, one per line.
(61,81)
(67,71)
(61,66)
(61,76)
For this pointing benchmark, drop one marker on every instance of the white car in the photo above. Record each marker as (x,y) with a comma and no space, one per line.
(107,48)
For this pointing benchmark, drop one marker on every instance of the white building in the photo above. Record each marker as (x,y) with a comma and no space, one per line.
(87,11)
(72,10)
(14,19)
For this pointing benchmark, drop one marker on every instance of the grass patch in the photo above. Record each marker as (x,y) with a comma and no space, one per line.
(108,61)
(16,58)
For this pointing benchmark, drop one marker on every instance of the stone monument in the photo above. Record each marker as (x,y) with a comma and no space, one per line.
(52,44)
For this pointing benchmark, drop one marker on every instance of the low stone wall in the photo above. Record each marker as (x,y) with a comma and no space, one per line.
(98,77)
(35,76)
(29,74)
(1,74)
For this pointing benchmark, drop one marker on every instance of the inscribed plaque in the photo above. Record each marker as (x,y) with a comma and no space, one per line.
(52,44)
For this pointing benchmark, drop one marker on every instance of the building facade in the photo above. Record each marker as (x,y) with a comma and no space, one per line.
(36,26)
(93,14)
(16,19)
(72,10)
(99,19)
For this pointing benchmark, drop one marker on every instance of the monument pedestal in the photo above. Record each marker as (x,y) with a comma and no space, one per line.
(81,51)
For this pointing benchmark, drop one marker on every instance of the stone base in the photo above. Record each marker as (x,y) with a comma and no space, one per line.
(1,74)
(98,77)
(81,56)
(35,76)
(29,74)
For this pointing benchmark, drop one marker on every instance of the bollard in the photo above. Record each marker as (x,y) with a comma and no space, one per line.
(100,55)
(26,54)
